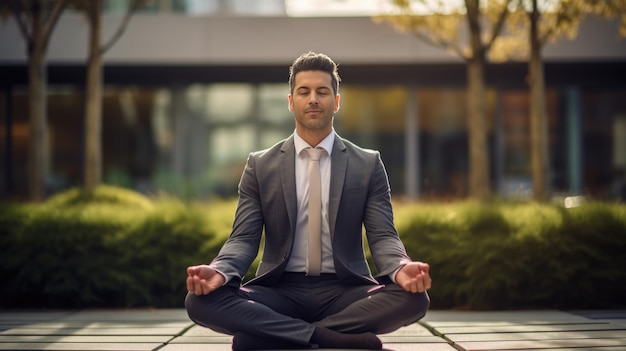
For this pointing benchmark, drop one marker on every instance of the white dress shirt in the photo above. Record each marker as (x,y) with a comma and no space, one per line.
(298,260)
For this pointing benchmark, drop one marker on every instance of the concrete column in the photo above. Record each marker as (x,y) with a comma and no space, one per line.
(574,141)
(499,147)
(179,114)
(411,131)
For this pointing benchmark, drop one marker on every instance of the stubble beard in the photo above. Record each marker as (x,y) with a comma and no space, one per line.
(316,124)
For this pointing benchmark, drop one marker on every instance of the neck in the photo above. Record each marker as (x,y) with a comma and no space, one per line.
(313,137)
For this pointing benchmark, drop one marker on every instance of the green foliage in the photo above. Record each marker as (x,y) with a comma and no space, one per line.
(110,247)
(445,23)
(101,195)
(486,256)
(115,248)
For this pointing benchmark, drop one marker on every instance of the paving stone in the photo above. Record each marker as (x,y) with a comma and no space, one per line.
(430,325)
(385,339)
(31,316)
(92,331)
(128,315)
(526,328)
(539,344)
(84,339)
(386,347)
(197,330)
(414,347)
(602,314)
(598,334)
(620,323)
(411,339)
(414,329)
(608,348)
(80,346)
(96,324)
(200,347)
(197,337)
(10,326)
(460,318)
(216,339)
(171,330)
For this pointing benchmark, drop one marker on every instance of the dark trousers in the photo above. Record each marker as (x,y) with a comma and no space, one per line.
(291,309)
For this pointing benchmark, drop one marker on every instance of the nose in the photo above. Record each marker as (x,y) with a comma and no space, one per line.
(313,98)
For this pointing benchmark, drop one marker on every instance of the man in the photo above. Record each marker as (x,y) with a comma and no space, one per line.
(298,300)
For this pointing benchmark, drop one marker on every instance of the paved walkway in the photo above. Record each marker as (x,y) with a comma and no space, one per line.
(171,330)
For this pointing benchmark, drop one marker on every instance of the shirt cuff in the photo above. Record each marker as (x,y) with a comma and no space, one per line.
(392,276)
(226,278)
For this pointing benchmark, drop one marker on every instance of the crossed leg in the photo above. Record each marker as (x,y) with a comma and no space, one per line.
(302,313)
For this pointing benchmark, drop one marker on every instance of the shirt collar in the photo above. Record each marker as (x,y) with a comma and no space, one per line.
(326,144)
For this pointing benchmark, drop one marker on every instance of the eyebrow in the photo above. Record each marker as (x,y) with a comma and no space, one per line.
(318,88)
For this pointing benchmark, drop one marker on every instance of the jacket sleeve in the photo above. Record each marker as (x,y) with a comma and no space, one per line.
(388,251)
(242,246)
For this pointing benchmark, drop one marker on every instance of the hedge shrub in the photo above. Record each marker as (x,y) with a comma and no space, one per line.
(520,255)
(115,248)
(108,248)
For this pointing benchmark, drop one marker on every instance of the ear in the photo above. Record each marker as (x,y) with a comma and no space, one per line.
(337,98)
(290,98)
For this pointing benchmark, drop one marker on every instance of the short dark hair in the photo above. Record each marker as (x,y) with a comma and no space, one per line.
(314,62)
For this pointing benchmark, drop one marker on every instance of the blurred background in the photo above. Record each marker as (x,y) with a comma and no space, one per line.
(191,87)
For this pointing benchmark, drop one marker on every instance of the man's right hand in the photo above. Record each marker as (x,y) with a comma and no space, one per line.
(203,279)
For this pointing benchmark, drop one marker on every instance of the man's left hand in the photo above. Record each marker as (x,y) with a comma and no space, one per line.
(414,277)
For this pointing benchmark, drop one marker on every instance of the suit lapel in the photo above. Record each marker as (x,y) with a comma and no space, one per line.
(287,166)
(338,168)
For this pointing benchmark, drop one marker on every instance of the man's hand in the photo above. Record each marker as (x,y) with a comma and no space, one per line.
(203,279)
(414,277)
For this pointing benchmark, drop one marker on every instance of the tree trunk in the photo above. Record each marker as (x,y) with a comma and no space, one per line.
(477,127)
(477,123)
(93,105)
(37,156)
(540,166)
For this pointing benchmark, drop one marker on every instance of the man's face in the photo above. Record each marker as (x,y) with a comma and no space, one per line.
(313,101)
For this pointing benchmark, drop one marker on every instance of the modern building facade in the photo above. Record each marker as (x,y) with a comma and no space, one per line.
(190,91)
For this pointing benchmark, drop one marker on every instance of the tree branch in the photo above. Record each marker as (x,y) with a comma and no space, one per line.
(563,14)
(58,8)
(440,43)
(473,15)
(437,41)
(17,9)
(474,28)
(497,28)
(122,27)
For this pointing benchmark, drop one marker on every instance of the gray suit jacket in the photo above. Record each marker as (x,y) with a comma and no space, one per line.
(359,195)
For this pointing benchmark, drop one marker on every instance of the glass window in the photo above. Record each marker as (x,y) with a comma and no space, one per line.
(374,117)
(443,142)
(228,103)
(204,7)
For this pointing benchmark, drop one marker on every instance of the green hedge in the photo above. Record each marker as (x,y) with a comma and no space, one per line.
(109,248)
(115,248)
(520,255)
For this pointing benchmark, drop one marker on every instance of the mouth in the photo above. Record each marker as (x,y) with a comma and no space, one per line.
(313,111)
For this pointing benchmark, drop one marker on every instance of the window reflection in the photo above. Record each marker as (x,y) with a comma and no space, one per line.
(203,7)
(193,140)
(228,103)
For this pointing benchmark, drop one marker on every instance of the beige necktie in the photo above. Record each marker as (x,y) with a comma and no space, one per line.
(314,261)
